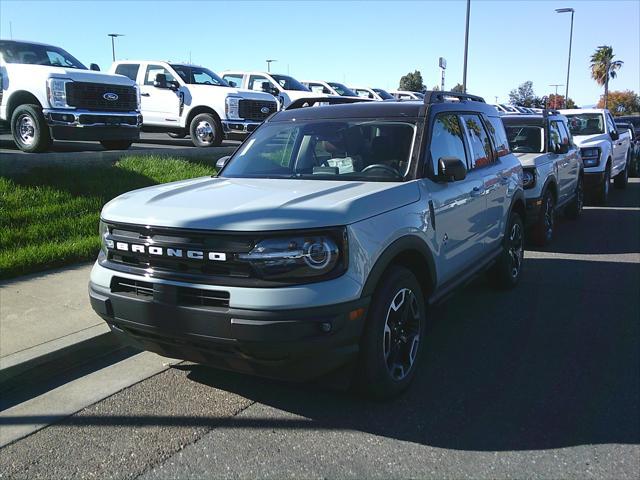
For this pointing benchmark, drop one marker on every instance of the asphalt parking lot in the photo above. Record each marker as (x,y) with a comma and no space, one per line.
(539,382)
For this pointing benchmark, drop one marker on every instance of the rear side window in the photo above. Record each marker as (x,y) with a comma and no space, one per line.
(446,139)
(128,70)
(479,144)
(498,135)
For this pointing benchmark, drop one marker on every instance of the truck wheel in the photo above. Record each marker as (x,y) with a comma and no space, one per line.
(177,135)
(29,128)
(508,269)
(622,179)
(574,209)
(116,144)
(205,131)
(544,227)
(393,336)
(602,194)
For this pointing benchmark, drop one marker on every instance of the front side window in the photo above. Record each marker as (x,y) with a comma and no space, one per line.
(35,54)
(555,137)
(564,133)
(363,93)
(586,123)
(525,138)
(289,83)
(233,80)
(259,83)
(499,136)
(198,76)
(153,70)
(383,94)
(611,124)
(446,139)
(342,90)
(356,150)
(478,139)
(128,70)
(318,88)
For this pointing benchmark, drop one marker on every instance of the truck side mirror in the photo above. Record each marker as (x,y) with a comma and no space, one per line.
(451,169)
(563,148)
(94,67)
(160,81)
(614,135)
(232,83)
(222,161)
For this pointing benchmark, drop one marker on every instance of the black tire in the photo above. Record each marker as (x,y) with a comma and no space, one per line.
(622,179)
(602,194)
(116,144)
(29,129)
(544,228)
(205,130)
(508,268)
(574,209)
(177,135)
(392,341)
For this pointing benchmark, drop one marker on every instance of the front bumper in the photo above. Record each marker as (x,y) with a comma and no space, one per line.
(533,210)
(298,344)
(93,125)
(593,181)
(239,127)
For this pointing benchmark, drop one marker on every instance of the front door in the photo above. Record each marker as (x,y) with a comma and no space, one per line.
(159,106)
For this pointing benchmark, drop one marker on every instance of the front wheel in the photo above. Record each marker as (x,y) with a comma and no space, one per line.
(116,144)
(602,194)
(205,131)
(622,179)
(544,227)
(508,268)
(29,129)
(394,335)
(574,209)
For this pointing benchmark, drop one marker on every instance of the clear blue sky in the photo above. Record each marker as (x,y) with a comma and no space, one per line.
(372,43)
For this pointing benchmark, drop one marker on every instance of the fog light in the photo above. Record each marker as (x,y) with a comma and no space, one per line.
(325,327)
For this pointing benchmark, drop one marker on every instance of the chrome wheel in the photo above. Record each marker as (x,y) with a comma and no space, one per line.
(516,249)
(401,334)
(26,129)
(205,131)
(549,218)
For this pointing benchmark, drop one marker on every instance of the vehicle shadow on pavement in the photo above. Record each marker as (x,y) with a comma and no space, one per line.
(525,370)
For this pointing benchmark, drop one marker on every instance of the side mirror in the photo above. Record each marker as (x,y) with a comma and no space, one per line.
(451,169)
(232,83)
(221,162)
(160,81)
(614,135)
(563,148)
(94,67)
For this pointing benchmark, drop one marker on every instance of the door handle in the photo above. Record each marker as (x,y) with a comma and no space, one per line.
(145,94)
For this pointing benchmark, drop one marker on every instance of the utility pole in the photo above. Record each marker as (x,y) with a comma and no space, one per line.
(466,49)
(556,85)
(113,47)
(442,63)
(10,31)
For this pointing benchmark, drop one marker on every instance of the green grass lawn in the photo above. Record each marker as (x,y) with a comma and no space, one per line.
(49,216)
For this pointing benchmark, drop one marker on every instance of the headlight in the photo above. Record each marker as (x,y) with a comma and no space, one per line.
(528,178)
(138,101)
(313,256)
(56,88)
(105,243)
(590,156)
(232,108)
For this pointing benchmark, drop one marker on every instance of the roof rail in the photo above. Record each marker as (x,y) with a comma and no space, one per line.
(436,96)
(550,111)
(310,102)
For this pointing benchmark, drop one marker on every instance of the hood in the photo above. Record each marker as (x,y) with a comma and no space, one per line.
(43,71)
(203,90)
(241,204)
(530,159)
(589,140)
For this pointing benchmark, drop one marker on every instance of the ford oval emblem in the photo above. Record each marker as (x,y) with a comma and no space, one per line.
(112,97)
(264,110)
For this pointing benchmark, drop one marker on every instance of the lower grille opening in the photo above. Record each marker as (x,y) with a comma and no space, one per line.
(132,287)
(202,298)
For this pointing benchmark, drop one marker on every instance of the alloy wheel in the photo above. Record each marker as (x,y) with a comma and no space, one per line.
(516,249)
(549,218)
(401,334)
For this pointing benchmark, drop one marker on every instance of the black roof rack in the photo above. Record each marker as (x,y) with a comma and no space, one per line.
(550,111)
(310,102)
(436,96)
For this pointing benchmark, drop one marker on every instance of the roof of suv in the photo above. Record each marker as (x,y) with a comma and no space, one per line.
(530,119)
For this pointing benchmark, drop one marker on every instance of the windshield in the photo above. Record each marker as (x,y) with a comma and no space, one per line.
(198,75)
(383,94)
(357,150)
(34,54)
(586,123)
(342,89)
(525,138)
(289,83)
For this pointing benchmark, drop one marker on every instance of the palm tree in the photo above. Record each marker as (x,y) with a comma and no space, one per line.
(604,67)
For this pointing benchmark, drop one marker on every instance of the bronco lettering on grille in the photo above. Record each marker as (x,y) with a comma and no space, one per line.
(170,252)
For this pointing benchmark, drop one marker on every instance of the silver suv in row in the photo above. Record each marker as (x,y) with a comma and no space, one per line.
(321,242)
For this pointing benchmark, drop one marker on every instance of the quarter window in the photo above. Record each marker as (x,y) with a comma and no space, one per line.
(128,70)
(479,144)
(446,139)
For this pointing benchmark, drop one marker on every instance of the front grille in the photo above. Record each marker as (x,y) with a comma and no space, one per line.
(250,109)
(196,297)
(91,96)
(108,120)
(132,287)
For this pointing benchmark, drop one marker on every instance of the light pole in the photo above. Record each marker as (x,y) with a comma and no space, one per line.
(466,49)
(567,10)
(269,64)
(113,47)
(443,66)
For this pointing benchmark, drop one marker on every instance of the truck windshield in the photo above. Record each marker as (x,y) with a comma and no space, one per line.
(35,54)
(525,138)
(383,94)
(289,83)
(357,150)
(198,75)
(342,89)
(586,123)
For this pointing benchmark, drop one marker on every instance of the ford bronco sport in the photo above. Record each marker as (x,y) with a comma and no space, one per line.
(320,243)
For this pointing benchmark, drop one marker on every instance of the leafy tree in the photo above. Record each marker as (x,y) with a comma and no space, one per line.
(557,102)
(412,82)
(435,88)
(603,68)
(523,95)
(458,88)
(621,102)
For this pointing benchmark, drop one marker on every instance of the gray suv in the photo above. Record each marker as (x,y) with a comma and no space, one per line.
(321,242)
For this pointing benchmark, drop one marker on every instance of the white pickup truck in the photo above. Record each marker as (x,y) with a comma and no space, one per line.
(46,94)
(182,99)
(606,152)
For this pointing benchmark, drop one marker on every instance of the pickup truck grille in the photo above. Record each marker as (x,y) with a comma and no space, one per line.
(252,109)
(91,96)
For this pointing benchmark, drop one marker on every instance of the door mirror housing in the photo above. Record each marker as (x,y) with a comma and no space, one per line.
(451,169)
(160,81)
(614,135)
(94,67)
(232,83)
(221,162)
(563,148)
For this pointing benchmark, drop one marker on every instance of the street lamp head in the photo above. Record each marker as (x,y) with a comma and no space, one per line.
(565,10)
(114,35)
